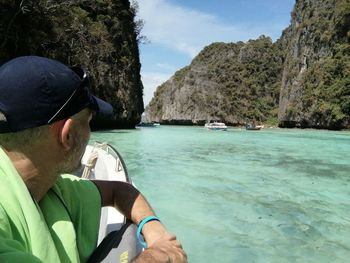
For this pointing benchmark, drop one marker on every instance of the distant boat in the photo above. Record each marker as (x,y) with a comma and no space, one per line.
(253,127)
(146,124)
(216,126)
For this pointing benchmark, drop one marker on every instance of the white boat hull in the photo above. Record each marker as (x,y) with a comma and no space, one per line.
(102,162)
(216,126)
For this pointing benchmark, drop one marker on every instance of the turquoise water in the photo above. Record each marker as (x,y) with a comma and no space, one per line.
(275,195)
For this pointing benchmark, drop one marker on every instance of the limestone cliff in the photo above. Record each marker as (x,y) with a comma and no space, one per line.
(99,35)
(304,77)
(315,90)
(235,82)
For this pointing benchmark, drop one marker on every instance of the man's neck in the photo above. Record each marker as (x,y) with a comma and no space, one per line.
(36,172)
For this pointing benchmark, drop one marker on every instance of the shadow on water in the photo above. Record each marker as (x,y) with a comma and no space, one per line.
(314,167)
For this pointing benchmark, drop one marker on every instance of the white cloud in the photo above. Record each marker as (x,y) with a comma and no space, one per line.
(187,30)
(151,80)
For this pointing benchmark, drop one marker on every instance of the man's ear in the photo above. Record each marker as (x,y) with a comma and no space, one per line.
(67,134)
(63,131)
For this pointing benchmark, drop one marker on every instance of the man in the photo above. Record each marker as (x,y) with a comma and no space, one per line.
(45,109)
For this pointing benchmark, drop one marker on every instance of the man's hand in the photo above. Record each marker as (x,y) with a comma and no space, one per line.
(153,231)
(162,246)
(166,249)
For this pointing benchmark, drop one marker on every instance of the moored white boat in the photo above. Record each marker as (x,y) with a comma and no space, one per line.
(146,124)
(253,127)
(216,126)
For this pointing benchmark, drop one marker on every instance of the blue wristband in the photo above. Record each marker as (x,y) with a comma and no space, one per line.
(140,226)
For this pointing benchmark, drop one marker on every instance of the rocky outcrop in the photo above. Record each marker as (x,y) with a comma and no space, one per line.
(99,35)
(235,82)
(316,79)
(303,77)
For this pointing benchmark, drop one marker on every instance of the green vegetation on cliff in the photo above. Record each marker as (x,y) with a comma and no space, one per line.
(234,82)
(100,35)
(302,80)
(250,82)
(315,89)
(326,91)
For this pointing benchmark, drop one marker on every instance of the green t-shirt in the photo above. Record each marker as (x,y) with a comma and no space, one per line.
(63,227)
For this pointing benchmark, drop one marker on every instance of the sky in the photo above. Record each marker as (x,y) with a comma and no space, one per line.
(177,30)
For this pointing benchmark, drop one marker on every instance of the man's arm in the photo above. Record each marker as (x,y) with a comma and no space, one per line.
(162,246)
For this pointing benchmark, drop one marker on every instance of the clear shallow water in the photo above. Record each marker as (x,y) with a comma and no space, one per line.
(274,195)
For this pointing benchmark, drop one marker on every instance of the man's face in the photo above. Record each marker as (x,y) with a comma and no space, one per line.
(81,136)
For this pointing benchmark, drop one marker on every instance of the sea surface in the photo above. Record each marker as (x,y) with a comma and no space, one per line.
(275,195)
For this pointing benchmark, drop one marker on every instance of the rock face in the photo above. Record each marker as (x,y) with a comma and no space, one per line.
(99,35)
(304,77)
(315,90)
(236,83)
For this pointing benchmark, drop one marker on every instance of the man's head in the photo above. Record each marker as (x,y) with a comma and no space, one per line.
(36,91)
(46,104)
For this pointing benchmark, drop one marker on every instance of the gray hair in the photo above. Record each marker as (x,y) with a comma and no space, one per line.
(24,138)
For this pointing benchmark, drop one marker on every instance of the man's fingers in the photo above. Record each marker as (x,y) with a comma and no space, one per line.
(178,256)
(168,249)
(177,243)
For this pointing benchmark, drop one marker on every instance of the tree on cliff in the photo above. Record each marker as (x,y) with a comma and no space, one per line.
(100,35)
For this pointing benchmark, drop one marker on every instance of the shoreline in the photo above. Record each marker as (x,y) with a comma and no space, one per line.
(266,126)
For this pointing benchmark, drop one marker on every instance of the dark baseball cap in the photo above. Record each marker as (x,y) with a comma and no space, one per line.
(36,91)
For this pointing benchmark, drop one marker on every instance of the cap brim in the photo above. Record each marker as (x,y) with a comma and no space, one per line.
(102,107)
